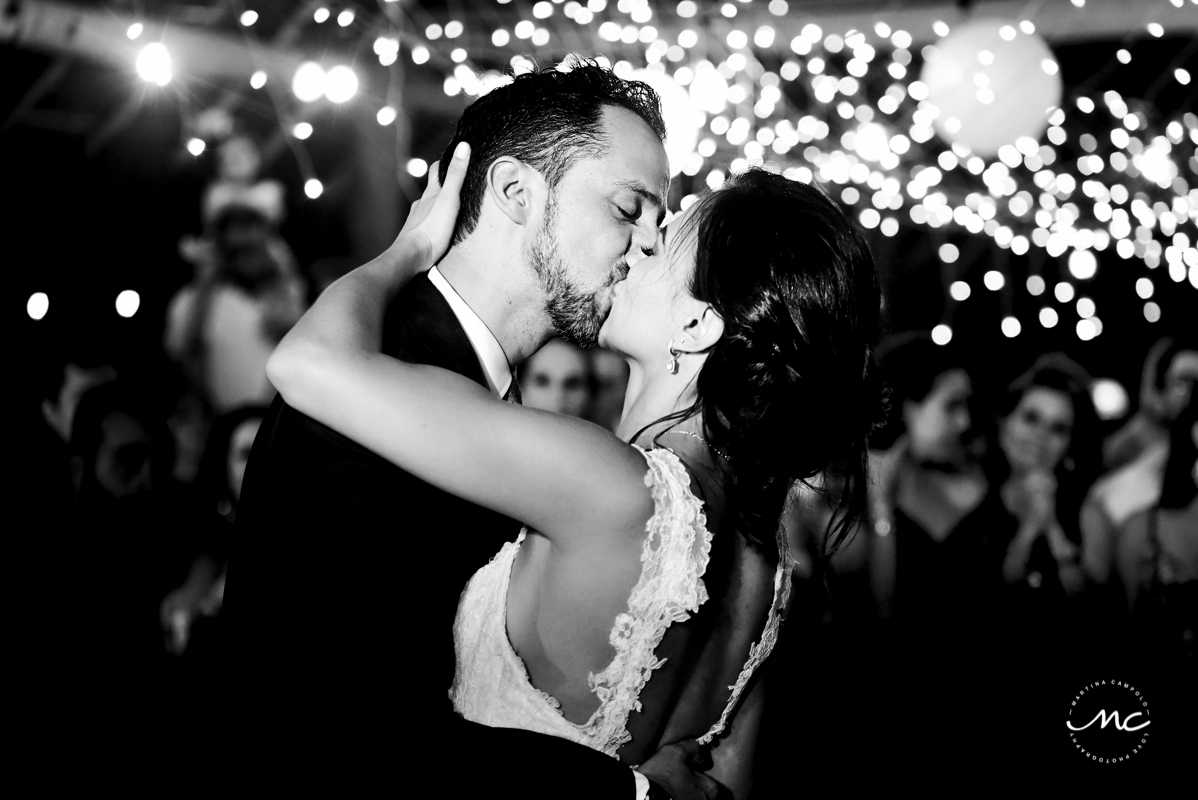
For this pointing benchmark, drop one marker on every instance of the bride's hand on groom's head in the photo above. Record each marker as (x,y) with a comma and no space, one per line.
(431,219)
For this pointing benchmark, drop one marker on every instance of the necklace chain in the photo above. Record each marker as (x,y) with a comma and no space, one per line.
(715,449)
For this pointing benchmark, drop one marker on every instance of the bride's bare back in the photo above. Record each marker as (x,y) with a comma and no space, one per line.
(562,602)
(561,607)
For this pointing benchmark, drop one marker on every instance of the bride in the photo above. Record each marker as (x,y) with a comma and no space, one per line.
(648,586)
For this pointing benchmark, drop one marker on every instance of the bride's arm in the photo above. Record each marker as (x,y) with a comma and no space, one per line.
(573,481)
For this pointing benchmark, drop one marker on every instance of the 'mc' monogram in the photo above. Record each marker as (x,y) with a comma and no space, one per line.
(1125,725)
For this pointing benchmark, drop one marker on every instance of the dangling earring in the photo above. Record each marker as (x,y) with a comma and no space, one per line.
(672,364)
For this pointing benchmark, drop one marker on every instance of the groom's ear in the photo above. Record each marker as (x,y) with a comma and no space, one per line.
(701,331)
(513,186)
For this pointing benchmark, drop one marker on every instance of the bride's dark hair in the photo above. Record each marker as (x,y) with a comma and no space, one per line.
(789,390)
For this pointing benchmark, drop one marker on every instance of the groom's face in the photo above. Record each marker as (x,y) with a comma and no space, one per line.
(603,213)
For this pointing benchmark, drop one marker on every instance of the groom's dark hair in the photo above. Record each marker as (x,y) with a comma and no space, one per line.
(548,119)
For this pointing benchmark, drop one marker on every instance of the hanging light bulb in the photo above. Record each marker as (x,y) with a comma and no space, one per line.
(154,64)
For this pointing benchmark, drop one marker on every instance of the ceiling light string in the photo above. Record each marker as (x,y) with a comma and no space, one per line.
(1168,73)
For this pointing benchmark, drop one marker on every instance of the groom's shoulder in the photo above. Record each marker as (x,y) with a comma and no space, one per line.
(420,327)
(417,318)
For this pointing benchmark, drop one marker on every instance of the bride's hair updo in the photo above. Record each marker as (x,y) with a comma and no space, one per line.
(788,392)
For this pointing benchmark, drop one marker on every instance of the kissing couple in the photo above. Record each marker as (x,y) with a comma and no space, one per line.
(436,587)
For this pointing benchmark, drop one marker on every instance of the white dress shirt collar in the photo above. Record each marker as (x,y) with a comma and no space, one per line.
(490,354)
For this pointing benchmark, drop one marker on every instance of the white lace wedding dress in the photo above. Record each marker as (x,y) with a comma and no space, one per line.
(491,685)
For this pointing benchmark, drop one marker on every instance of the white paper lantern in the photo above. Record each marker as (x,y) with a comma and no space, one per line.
(991,87)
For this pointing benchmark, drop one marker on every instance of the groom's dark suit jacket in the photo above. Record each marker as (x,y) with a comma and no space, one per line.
(342,587)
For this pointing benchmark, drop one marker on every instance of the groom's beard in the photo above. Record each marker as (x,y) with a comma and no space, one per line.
(575,313)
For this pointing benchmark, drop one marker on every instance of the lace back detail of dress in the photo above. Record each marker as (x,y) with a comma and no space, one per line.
(673,561)
(491,684)
(759,651)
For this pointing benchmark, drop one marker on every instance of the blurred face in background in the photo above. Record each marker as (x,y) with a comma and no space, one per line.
(936,426)
(557,378)
(1037,433)
(76,381)
(124,459)
(611,384)
(1179,383)
(240,444)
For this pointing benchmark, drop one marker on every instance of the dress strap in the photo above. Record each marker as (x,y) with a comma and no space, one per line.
(769,637)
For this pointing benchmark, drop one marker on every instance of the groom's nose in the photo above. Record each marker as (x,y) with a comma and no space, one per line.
(645,242)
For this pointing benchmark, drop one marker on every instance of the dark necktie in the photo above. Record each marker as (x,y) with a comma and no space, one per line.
(513,392)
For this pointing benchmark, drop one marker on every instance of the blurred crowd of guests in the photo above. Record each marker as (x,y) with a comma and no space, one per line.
(139,465)
(1016,510)
(1011,553)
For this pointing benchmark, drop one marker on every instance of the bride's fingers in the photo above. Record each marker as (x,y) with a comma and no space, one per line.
(455,176)
(433,187)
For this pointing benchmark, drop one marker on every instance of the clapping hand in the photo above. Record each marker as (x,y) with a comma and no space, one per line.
(431,219)
(1040,495)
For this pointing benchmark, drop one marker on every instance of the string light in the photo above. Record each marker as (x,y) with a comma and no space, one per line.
(195,146)
(38,305)
(127,303)
(154,64)
(1110,398)
(942,334)
(313,188)
(134,31)
(309,82)
(1104,175)
(341,84)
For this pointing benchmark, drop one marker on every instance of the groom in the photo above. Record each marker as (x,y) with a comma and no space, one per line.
(343,591)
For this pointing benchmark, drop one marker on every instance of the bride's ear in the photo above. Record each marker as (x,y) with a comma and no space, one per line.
(514,187)
(701,331)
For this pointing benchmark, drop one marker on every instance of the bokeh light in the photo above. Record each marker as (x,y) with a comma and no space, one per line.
(340,84)
(1110,398)
(38,305)
(127,303)
(154,64)
(309,82)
